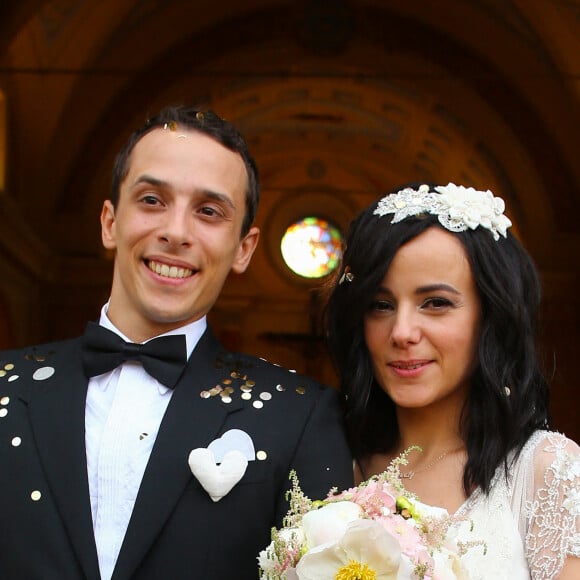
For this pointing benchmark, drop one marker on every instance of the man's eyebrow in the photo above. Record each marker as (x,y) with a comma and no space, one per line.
(150,180)
(156,182)
(218,197)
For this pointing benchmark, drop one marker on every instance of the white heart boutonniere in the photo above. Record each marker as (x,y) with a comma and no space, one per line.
(217,480)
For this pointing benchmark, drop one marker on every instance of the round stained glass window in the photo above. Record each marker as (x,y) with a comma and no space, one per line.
(311,247)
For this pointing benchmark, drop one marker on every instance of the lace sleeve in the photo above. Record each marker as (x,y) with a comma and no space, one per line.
(552,506)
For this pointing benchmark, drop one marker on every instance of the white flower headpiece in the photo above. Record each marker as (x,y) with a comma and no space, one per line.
(457,208)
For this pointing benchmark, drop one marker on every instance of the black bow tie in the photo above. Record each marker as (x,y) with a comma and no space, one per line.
(164,358)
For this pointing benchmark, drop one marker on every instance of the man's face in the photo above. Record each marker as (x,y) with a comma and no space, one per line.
(176,231)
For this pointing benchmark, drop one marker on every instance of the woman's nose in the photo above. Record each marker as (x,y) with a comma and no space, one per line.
(405,328)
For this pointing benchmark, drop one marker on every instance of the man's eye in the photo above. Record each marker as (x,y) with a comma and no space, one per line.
(209,211)
(149,200)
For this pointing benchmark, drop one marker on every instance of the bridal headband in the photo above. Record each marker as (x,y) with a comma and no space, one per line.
(458,208)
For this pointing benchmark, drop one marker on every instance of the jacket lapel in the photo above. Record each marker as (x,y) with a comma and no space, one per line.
(57,416)
(187,424)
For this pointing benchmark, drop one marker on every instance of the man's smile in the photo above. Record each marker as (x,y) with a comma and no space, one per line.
(168,271)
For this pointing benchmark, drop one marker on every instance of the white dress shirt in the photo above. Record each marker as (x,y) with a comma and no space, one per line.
(123,413)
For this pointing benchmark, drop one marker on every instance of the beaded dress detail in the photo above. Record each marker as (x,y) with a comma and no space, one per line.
(530,521)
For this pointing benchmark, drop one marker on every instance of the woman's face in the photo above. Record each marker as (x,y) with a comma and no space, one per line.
(422,329)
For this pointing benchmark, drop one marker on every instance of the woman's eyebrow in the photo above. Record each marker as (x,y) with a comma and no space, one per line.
(437,288)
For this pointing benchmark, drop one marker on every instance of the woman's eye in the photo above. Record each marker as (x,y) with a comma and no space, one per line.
(437,303)
(381,306)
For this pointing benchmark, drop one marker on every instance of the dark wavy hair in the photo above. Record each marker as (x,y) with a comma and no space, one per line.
(208,123)
(492,423)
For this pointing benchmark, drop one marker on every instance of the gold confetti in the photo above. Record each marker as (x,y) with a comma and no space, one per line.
(300,390)
(8,367)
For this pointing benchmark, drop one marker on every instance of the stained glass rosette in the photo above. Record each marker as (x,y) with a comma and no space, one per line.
(311,247)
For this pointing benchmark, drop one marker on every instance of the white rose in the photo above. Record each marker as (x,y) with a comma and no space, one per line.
(328,523)
(448,566)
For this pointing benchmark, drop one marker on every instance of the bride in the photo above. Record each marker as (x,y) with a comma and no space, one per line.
(432,329)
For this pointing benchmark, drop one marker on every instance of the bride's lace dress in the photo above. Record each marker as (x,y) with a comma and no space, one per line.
(530,522)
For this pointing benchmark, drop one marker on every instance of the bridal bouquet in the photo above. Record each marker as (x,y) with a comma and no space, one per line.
(374,531)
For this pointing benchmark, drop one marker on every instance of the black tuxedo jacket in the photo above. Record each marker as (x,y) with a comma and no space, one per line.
(176,531)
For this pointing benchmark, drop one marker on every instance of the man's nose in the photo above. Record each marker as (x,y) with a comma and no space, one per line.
(177,227)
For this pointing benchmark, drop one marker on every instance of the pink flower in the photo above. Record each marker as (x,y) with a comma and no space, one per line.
(375,498)
(409,536)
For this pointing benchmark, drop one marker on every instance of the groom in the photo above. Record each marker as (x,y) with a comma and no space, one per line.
(167,460)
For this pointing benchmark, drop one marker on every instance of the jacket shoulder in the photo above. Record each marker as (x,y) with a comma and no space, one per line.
(26,361)
(37,351)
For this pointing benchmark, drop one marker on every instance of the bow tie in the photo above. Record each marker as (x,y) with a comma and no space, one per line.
(164,358)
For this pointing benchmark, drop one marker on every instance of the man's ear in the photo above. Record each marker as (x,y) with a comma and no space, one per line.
(108,233)
(245,250)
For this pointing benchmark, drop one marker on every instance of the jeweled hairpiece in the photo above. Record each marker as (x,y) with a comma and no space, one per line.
(347,276)
(457,208)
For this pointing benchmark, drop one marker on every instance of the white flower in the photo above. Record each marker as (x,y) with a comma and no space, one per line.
(568,466)
(572,502)
(366,551)
(329,522)
(268,560)
(465,207)
(448,566)
(458,208)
